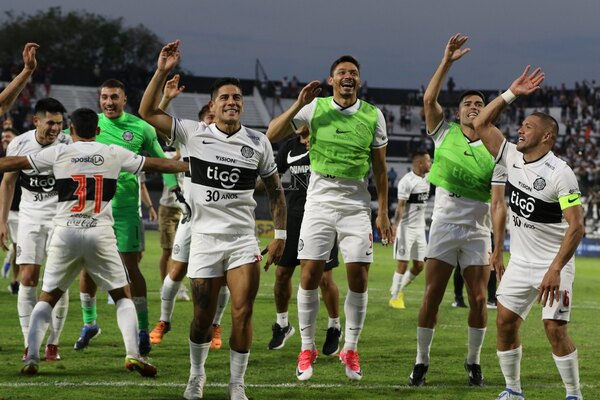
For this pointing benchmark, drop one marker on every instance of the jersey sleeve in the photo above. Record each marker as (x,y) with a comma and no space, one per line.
(266,165)
(305,115)
(129,161)
(44,160)
(439,132)
(504,153)
(404,189)
(500,175)
(380,138)
(153,148)
(567,188)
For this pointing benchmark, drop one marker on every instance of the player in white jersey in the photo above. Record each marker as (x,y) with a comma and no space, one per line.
(546,228)
(86,175)
(466,180)
(225,160)
(409,226)
(38,205)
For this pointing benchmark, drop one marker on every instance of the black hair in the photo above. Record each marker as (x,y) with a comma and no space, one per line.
(113,84)
(418,153)
(469,93)
(548,119)
(85,122)
(49,104)
(222,82)
(12,130)
(342,59)
(203,111)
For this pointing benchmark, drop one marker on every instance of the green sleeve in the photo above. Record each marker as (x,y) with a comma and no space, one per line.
(153,148)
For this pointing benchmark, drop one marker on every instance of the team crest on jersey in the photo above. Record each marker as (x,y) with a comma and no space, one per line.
(300,244)
(539,184)
(247,152)
(127,136)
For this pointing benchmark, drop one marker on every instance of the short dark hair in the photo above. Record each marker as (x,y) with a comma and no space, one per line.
(12,130)
(203,111)
(85,122)
(113,84)
(222,82)
(548,119)
(49,104)
(469,93)
(342,59)
(418,153)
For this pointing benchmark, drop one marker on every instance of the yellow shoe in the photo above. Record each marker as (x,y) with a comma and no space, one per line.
(398,302)
(216,341)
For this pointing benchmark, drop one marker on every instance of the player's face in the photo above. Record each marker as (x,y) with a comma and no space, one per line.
(422,164)
(112,102)
(209,118)
(228,105)
(47,127)
(470,107)
(7,137)
(531,133)
(345,80)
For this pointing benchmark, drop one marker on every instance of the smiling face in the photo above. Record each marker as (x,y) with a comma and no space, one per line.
(345,80)
(227,105)
(112,102)
(470,106)
(47,127)
(534,132)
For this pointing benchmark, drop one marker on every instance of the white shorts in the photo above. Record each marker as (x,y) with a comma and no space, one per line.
(95,248)
(410,244)
(13,225)
(518,290)
(459,244)
(212,255)
(321,225)
(32,242)
(181,243)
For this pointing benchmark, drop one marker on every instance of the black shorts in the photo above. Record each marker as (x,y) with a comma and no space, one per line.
(290,253)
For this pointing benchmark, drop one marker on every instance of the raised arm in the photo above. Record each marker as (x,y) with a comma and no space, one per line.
(278,211)
(431,106)
(171,91)
(489,134)
(149,106)
(12,91)
(382,222)
(281,126)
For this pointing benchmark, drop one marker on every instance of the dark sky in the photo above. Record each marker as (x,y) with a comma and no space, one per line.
(399,43)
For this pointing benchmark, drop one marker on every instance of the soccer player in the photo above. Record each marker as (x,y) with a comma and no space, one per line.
(128,131)
(546,228)
(293,156)
(225,160)
(466,178)
(38,205)
(86,175)
(347,135)
(172,284)
(409,226)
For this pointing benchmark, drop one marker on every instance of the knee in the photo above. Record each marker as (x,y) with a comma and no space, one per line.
(478,301)
(555,331)
(242,312)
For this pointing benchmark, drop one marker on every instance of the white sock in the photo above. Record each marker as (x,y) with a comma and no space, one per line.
(237,366)
(355,308)
(476,336)
(424,340)
(128,324)
(282,319)
(221,305)
(59,316)
(198,355)
(396,284)
(334,323)
(26,300)
(308,309)
(568,368)
(167,298)
(406,280)
(40,319)
(510,364)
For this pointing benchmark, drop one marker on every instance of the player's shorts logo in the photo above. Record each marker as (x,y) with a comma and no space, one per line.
(127,136)
(539,184)
(247,152)
(18,251)
(300,244)
(176,249)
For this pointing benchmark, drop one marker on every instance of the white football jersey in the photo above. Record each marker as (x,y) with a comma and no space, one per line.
(86,176)
(38,199)
(537,226)
(451,208)
(224,170)
(415,190)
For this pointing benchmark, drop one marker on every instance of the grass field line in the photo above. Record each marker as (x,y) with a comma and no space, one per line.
(266,385)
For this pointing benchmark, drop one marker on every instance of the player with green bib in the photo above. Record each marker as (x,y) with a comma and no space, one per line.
(466,179)
(347,137)
(128,131)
